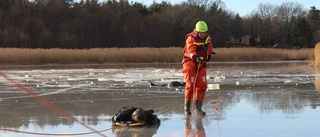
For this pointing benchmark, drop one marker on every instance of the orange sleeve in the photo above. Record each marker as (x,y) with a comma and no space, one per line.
(190,48)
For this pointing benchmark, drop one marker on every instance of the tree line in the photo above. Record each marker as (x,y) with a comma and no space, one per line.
(118,23)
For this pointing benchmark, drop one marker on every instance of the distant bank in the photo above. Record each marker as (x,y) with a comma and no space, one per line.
(15,56)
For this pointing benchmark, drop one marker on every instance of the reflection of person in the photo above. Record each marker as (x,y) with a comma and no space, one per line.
(144,131)
(137,115)
(196,53)
(199,130)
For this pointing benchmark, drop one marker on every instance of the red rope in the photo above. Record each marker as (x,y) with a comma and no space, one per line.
(47,103)
(52,134)
(218,101)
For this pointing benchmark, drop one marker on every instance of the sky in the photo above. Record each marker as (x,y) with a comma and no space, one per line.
(244,7)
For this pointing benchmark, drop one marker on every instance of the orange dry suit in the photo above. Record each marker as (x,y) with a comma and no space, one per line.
(195,46)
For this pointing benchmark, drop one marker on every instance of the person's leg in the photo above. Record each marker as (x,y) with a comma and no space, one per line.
(189,77)
(201,90)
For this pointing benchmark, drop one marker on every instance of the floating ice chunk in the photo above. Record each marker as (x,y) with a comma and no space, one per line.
(32,80)
(63,76)
(103,79)
(53,80)
(237,83)
(62,85)
(157,70)
(217,79)
(213,87)
(287,81)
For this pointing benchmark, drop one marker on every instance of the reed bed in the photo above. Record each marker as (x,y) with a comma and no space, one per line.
(317,55)
(263,54)
(317,65)
(144,55)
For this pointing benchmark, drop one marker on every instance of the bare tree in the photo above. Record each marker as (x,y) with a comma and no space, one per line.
(287,14)
(266,11)
(289,11)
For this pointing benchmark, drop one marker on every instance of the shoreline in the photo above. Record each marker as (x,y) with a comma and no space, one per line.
(14,56)
(130,65)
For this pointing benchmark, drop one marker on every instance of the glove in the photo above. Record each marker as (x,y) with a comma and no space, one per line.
(208,58)
(197,60)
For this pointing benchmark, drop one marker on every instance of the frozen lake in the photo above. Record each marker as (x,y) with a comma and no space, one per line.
(278,99)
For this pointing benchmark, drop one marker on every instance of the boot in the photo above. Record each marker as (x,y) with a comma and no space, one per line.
(199,108)
(187,104)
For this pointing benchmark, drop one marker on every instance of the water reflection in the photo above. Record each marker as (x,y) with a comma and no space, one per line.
(196,130)
(135,131)
(94,107)
(289,98)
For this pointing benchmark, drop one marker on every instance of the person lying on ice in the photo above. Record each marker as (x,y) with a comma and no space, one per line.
(136,115)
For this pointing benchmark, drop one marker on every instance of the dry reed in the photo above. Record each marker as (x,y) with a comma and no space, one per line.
(263,54)
(144,55)
(317,55)
(317,79)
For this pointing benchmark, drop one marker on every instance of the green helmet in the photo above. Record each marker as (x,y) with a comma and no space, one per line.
(201,26)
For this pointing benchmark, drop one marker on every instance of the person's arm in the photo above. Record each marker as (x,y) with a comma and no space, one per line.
(124,114)
(191,48)
(210,49)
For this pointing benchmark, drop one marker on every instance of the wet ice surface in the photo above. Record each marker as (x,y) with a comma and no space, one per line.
(257,99)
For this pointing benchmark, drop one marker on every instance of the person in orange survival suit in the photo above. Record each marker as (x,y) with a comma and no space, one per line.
(197,52)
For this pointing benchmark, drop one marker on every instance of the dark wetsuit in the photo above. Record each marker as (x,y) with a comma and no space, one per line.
(125,115)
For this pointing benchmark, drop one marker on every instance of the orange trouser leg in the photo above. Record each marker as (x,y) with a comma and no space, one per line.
(201,84)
